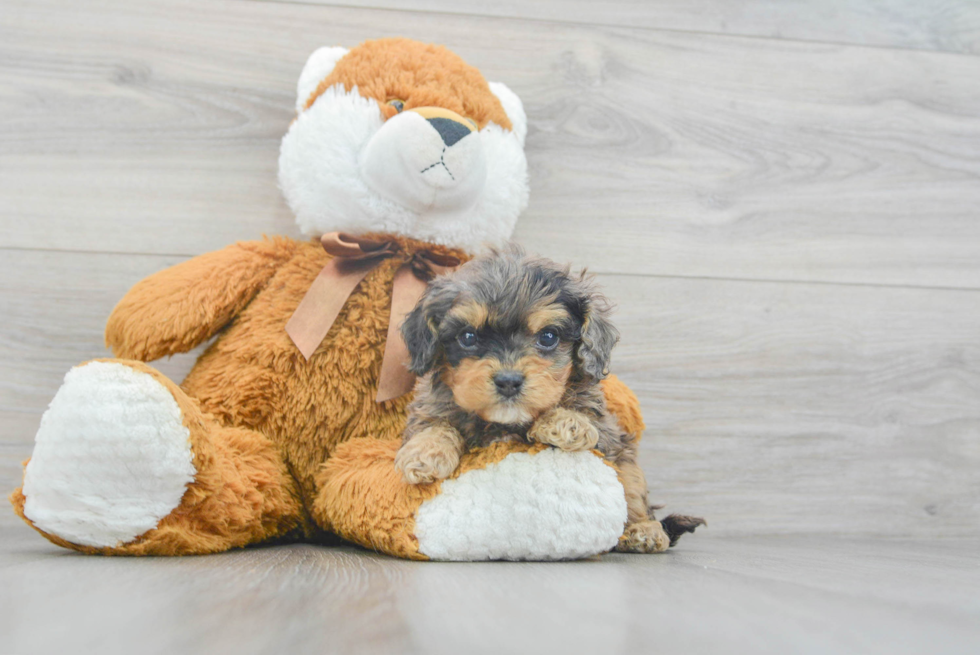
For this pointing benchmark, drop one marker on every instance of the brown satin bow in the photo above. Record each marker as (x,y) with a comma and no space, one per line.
(353,258)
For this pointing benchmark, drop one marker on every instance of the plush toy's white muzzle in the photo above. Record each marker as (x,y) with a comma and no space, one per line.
(427,159)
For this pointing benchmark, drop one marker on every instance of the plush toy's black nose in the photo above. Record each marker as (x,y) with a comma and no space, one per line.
(508,383)
(451,131)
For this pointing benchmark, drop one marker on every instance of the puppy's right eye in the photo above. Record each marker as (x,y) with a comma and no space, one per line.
(467,339)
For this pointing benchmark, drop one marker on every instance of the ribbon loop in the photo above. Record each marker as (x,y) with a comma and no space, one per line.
(352,247)
(427,265)
(353,258)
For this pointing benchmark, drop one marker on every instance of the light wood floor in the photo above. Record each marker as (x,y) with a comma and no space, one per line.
(782,197)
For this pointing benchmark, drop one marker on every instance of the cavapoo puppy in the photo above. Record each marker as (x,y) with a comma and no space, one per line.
(513,347)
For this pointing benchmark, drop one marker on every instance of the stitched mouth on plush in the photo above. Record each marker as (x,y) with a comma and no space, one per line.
(426,164)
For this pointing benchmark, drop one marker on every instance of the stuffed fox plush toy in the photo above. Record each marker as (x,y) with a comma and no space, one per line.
(287,426)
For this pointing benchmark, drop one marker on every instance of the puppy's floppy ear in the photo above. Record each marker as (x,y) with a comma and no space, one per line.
(599,336)
(421,327)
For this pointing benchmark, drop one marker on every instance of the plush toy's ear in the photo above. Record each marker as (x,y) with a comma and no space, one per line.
(514,108)
(421,327)
(599,336)
(317,67)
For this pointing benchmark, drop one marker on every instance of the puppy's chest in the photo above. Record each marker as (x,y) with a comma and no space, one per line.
(478,433)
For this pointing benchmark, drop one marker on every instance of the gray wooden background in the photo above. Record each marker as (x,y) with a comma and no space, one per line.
(782,197)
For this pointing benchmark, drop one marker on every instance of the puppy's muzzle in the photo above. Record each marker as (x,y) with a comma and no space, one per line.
(508,383)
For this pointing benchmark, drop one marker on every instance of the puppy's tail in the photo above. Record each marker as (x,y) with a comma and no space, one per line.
(677,525)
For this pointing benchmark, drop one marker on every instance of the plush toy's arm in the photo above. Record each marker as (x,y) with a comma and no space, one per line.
(622,402)
(180,307)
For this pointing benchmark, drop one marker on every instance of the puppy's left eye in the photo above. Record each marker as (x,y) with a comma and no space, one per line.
(547,339)
(467,339)
(399,105)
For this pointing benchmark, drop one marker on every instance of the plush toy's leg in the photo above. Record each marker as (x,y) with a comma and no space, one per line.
(125,463)
(362,497)
(506,501)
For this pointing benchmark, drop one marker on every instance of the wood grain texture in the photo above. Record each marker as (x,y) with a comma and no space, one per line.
(714,594)
(771,407)
(155,125)
(945,25)
(783,407)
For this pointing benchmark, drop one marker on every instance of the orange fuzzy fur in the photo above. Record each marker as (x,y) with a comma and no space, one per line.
(418,75)
(622,403)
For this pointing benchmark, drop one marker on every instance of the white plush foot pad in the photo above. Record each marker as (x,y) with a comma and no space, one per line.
(552,505)
(111,458)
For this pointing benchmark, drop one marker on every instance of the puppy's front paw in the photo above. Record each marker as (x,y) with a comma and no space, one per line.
(643,537)
(430,455)
(565,429)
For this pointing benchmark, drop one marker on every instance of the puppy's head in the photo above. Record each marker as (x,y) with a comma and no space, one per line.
(506,332)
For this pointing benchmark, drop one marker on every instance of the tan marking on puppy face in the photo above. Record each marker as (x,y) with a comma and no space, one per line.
(551,314)
(544,383)
(474,389)
(472,313)
(472,384)
(418,74)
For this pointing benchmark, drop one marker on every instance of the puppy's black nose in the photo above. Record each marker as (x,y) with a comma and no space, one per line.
(451,131)
(508,383)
